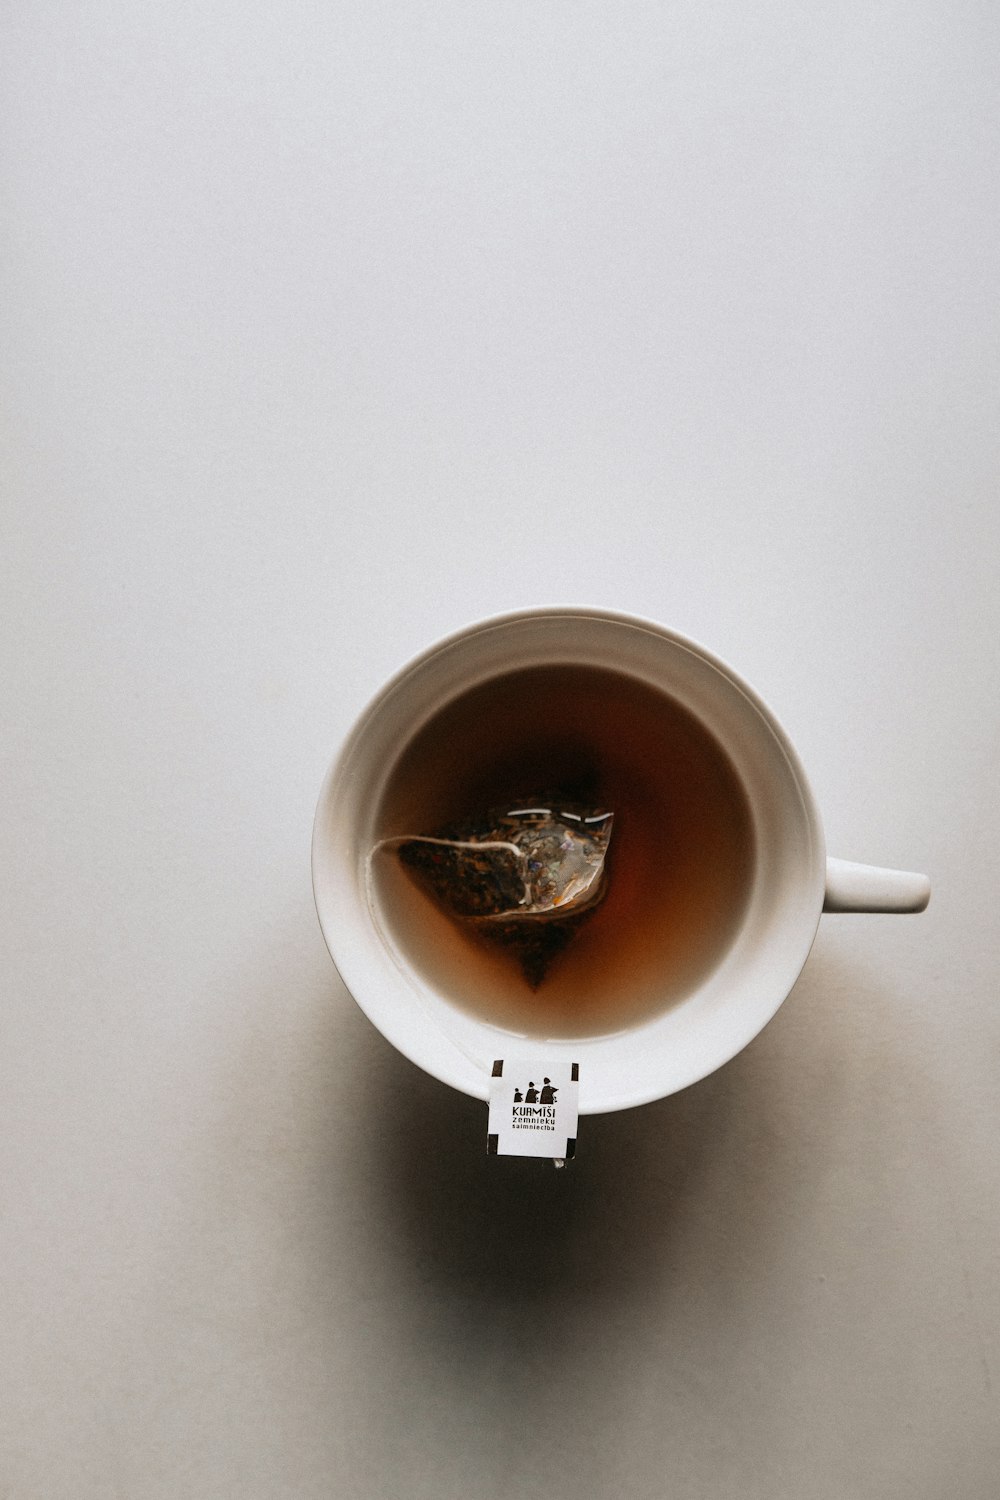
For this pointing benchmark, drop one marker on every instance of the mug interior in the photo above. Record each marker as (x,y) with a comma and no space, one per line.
(688,1038)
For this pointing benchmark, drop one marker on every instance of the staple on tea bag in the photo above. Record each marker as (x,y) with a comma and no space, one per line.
(525,876)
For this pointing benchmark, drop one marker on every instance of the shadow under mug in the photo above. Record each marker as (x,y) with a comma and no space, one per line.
(792,881)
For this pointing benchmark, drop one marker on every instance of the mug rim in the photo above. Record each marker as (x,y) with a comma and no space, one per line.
(436,1059)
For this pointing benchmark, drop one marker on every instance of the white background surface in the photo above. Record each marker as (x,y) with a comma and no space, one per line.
(324,331)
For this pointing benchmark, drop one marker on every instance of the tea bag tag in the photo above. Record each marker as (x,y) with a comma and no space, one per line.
(534,1106)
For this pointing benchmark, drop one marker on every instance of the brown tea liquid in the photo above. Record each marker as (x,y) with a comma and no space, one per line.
(679,865)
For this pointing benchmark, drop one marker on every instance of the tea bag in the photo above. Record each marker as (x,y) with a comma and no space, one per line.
(526,876)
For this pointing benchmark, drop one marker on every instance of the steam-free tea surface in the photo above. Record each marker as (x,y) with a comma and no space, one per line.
(678,868)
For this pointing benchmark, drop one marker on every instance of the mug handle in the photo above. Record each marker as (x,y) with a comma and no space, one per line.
(851,887)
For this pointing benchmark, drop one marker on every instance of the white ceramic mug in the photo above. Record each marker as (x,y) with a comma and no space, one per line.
(793,882)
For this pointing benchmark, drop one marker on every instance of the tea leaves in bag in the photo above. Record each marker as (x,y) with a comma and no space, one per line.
(524,877)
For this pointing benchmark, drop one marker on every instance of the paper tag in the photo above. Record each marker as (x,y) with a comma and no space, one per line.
(534,1108)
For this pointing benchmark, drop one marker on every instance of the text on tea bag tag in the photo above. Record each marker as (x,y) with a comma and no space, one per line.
(534,1107)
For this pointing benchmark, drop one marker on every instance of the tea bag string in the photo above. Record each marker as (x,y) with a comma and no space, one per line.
(472,1055)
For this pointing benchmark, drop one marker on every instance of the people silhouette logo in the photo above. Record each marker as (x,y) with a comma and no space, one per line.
(528,1118)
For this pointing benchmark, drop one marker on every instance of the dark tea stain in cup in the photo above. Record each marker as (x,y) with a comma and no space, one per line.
(678,868)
